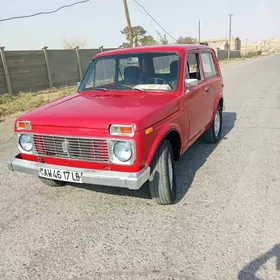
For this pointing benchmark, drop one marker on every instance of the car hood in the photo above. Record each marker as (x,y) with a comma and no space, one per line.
(97,110)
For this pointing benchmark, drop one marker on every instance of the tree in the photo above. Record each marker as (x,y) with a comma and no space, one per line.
(186,40)
(140,37)
(70,44)
(162,40)
(148,41)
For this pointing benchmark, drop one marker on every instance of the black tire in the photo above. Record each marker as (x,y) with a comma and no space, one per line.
(52,183)
(159,181)
(209,135)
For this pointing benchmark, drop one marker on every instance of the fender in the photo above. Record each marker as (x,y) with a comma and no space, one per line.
(162,132)
(216,103)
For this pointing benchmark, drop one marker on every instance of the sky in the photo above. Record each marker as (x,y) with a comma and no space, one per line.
(99,22)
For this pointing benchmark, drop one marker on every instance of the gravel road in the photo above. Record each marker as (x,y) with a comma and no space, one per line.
(226,224)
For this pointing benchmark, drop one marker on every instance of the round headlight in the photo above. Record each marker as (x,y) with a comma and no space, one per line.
(123,151)
(25,142)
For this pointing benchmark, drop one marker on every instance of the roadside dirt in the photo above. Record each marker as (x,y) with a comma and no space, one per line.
(6,128)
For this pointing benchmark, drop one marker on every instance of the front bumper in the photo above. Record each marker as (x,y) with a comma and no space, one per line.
(133,181)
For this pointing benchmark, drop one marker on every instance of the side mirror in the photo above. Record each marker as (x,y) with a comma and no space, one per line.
(189,83)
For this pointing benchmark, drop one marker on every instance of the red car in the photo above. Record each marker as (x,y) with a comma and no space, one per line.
(136,112)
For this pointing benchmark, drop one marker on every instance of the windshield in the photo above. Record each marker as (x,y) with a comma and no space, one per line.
(140,71)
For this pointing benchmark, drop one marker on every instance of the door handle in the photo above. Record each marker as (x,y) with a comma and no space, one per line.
(206,88)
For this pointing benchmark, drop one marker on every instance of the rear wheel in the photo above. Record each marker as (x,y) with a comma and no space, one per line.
(52,183)
(162,181)
(213,134)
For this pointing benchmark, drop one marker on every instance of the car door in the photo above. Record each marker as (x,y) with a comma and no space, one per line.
(211,84)
(196,95)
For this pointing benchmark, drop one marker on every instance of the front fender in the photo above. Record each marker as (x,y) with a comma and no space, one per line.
(161,134)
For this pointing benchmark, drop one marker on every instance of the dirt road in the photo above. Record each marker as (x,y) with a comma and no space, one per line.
(226,224)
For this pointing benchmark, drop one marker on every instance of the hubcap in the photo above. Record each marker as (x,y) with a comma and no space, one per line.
(217,123)
(170,171)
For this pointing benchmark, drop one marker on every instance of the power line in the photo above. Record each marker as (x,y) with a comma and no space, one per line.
(154,19)
(46,13)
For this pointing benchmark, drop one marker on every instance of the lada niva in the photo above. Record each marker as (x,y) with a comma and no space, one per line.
(136,111)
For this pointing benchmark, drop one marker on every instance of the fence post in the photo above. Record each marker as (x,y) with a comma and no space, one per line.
(45,50)
(79,62)
(6,70)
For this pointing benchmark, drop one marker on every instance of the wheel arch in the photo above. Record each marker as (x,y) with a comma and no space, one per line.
(218,101)
(174,137)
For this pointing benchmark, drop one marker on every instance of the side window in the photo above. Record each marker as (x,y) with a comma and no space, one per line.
(208,65)
(192,69)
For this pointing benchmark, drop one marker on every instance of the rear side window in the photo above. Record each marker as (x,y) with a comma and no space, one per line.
(208,65)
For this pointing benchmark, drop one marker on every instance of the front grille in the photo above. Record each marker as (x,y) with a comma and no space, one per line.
(95,150)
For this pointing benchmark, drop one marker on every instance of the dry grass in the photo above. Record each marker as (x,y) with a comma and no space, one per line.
(27,101)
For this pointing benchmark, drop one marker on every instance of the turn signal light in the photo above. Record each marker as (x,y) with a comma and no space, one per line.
(149,130)
(126,130)
(122,130)
(23,125)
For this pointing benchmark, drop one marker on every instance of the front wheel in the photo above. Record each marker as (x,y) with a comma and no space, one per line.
(162,181)
(52,183)
(213,134)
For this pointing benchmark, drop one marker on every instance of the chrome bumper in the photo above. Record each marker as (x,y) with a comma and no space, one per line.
(133,181)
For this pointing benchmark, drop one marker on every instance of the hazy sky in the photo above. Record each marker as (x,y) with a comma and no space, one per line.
(99,22)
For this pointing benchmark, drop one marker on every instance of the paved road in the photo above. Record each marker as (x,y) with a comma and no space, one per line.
(226,224)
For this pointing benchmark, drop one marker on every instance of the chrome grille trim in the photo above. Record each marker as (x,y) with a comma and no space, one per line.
(75,148)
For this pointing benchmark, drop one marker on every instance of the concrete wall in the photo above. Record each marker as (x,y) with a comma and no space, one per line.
(223,54)
(3,86)
(27,70)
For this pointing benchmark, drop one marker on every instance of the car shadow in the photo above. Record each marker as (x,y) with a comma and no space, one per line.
(143,193)
(185,169)
(194,158)
(250,270)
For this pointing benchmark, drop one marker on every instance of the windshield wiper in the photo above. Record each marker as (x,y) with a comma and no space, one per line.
(94,88)
(130,87)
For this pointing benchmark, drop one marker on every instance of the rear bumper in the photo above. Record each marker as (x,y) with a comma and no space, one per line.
(133,181)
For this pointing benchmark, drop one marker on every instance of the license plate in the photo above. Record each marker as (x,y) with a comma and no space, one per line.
(61,175)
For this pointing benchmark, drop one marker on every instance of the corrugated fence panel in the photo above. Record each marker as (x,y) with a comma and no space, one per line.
(27,70)
(3,86)
(63,67)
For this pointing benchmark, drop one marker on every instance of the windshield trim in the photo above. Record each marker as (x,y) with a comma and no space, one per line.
(110,56)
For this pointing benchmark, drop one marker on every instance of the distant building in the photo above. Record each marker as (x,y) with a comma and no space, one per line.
(223,44)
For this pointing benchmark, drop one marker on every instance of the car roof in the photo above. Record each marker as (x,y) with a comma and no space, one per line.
(180,48)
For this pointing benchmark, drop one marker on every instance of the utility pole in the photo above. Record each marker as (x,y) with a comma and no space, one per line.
(131,36)
(246,45)
(199,31)
(229,39)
